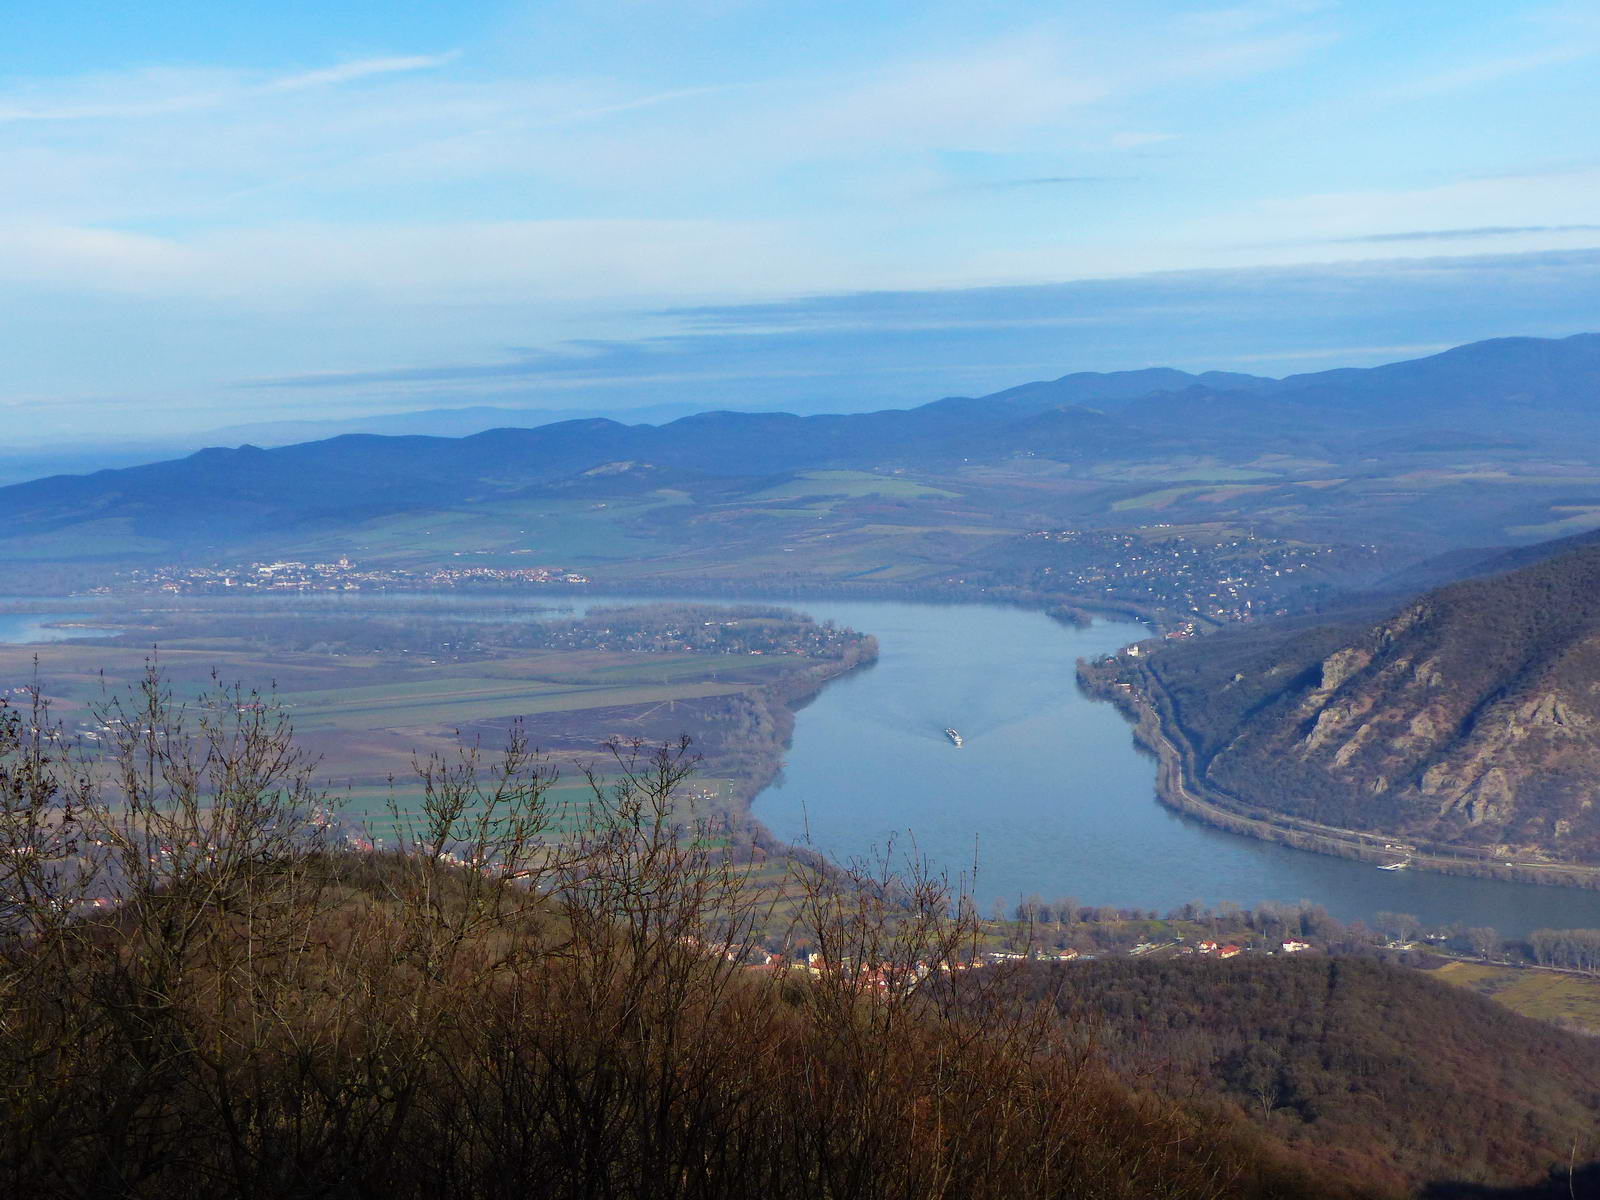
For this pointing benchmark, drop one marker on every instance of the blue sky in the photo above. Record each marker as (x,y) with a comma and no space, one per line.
(222,213)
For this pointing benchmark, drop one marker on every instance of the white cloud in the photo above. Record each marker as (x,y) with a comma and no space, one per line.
(982,98)
(416,263)
(1491,70)
(236,148)
(159,93)
(1481,203)
(431,183)
(1132,140)
(149,93)
(92,258)
(364,68)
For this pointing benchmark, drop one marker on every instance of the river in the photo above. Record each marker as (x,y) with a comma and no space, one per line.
(1048,793)
(31,628)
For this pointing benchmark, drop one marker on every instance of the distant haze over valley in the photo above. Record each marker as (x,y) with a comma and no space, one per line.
(1194,502)
(1480,445)
(694,600)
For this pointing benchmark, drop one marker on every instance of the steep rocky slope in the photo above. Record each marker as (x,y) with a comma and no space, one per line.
(1470,716)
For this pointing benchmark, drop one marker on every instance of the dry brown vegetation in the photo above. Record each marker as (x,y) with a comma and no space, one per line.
(1463,720)
(202,995)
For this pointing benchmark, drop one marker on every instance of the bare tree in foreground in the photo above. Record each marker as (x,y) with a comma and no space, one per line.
(202,996)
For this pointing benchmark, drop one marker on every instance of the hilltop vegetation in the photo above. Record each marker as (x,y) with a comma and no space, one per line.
(205,994)
(203,997)
(1368,1068)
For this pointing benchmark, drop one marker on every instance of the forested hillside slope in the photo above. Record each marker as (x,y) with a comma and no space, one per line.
(1468,716)
(1372,1069)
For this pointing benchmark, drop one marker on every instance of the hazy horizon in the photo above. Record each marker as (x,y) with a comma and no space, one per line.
(218,218)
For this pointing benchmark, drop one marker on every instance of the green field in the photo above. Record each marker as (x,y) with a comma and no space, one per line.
(1578,518)
(366,716)
(534,532)
(1158,499)
(852,484)
(110,537)
(1181,474)
(1543,995)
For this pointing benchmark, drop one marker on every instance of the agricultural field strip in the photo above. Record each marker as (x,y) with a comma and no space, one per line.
(430,701)
(1206,492)
(723,668)
(568,803)
(421,714)
(457,692)
(880,529)
(72,671)
(1544,995)
(1154,475)
(851,484)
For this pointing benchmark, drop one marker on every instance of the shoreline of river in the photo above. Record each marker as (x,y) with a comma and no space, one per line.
(1179,788)
(1061,796)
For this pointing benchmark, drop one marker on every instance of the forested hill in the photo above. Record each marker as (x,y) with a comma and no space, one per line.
(1522,388)
(1374,1070)
(1469,716)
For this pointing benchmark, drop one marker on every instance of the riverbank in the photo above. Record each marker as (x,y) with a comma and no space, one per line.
(761,752)
(1048,792)
(1137,693)
(1069,608)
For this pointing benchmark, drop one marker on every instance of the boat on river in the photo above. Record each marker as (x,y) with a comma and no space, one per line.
(953,736)
(1399,866)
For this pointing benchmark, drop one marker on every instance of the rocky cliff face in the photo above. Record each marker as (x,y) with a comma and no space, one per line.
(1471,716)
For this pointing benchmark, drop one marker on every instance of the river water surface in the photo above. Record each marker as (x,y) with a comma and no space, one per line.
(32,628)
(1048,794)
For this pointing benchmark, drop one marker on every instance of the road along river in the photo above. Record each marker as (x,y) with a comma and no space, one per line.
(1048,790)
(1047,793)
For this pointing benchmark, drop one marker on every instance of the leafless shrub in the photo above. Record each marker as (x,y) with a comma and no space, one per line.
(513,1000)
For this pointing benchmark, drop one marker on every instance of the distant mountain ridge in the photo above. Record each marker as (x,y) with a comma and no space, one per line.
(1542,388)
(435,422)
(1503,386)
(36,461)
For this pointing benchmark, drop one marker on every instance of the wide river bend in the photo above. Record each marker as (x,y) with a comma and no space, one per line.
(1048,794)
